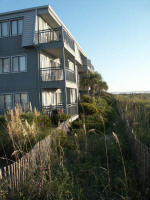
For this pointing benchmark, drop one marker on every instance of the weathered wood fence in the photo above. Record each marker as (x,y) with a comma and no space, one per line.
(140,152)
(16,174)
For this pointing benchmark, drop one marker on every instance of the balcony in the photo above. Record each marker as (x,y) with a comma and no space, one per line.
(56,74)
(70,75)
(54,35)
(49,109)
(72,109)
(52,74)
(68,40)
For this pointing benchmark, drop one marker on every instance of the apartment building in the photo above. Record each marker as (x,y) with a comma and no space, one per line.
(40,62)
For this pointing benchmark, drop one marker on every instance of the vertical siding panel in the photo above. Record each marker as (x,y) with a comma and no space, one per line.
(29,27)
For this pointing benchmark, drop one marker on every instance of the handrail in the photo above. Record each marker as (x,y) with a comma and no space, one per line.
(50,68)
(51,74)
(55,34)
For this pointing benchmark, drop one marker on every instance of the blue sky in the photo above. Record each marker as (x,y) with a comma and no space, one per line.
(115,35)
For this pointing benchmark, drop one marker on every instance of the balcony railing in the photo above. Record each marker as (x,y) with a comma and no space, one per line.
(52,35)
(49,109)
(70,75)
(52,74)
(72,109)
(48,35)
(68,40)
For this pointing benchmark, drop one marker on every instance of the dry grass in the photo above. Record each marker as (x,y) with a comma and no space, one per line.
(21,131)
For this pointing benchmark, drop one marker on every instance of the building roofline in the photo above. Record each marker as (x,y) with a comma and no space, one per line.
(23,10)
(53,12)
(59,21)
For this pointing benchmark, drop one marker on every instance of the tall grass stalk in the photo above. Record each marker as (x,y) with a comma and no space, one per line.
(123,163)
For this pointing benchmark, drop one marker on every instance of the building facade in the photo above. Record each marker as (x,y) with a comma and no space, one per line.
(40,62)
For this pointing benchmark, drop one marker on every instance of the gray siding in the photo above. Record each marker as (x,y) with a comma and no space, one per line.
(23,81)
(29,23)
(29,28)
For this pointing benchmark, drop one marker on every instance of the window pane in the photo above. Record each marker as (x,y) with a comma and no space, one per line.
(22,63)
(5,29)
(1,101)
(24,100)
(17,99)
(0,30)
(14,27)
(20,27)
(8,101)
(1,61)
(6,64)
(15,66)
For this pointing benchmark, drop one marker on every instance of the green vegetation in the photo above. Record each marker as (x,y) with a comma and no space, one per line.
(19,131)
(95,83)
(87,163)
(137,109)
(91,162)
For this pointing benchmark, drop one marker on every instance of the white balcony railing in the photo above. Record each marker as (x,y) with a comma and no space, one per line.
(52,74)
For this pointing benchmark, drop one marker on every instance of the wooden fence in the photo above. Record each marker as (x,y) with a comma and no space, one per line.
(140,152)
(15,175)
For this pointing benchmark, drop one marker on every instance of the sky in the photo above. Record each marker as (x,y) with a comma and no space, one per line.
(115,35)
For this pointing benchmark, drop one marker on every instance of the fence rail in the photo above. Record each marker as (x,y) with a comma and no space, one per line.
(140,152)
(17,174)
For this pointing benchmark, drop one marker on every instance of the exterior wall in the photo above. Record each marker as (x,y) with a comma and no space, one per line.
(29,23)
(20,81)
(27,44)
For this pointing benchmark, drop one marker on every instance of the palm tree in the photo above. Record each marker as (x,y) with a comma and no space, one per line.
(94,82)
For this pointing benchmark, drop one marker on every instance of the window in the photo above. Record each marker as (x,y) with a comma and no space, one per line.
(8,101)
(19,64)
(4,29)
(0,30)
(17,99)
(24,100)
(4,65)
(11,27)
(20,27)
(21,99)
(71,95)
(15,64)
(16,27)
(1,101)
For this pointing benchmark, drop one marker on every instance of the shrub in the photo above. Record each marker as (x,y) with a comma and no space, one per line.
(88,108)
(63,117)
(87,99)
(77,124)
(59,117)
(28,116)
(3,123)
(43,121)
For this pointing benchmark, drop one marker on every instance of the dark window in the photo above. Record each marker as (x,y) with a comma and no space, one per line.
(21,99)
(4,29)
(16,27)
(4,65)
(19,64)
